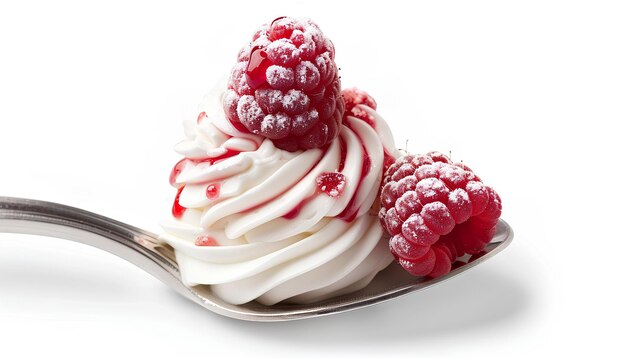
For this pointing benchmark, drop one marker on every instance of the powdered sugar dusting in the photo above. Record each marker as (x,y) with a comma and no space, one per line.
(307,76)
(262,41)
(238,79)
(275,126)
(323,63)
(458,196)
(279,77)
(406,204)
(295,101)
(432,189)
(283,52)
(304,41)
(269,99)
(303,122)
(250,114)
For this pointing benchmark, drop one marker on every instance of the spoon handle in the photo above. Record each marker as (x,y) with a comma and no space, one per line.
(25,216)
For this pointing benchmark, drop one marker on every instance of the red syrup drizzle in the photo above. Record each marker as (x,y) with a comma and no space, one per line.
(349,213)
(238,126)
(178,168)
(177,209)
(257,65)
(296,211)
(229,153)
(293,213)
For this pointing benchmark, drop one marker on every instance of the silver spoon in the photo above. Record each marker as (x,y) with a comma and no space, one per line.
(143,249)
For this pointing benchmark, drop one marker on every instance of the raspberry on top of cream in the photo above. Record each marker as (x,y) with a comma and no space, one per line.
(285,86)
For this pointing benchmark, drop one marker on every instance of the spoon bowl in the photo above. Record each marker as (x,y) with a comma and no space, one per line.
(146,251)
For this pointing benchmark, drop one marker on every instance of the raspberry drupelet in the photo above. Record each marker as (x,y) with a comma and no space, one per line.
(436,211)
(285,86)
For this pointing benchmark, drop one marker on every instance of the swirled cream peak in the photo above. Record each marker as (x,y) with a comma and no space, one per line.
(254,222)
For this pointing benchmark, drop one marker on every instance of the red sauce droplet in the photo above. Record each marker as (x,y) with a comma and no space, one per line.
(331,183)
(257,65)
(177,209)
(201,116)
(213,190)
(206,240)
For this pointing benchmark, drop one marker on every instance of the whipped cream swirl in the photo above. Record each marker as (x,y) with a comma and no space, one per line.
(254,224)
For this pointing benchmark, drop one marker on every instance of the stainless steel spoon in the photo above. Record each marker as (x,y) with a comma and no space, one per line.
(143,249)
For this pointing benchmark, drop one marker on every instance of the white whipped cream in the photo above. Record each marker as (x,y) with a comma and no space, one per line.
(260,254)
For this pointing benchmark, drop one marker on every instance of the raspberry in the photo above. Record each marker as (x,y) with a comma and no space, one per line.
(435,211)
(285,86)
(331,183)
(354,96)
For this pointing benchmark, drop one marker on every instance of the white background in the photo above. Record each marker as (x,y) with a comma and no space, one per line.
(528,93)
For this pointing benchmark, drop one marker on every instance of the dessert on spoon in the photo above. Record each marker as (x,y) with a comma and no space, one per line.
(292,200)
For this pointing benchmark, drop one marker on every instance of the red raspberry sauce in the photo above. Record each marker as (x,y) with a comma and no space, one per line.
(349,213)
(178,168)
(257,66)
(177,209)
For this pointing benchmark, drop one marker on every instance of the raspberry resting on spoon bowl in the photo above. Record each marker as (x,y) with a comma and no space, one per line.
(436,211)
(285,86)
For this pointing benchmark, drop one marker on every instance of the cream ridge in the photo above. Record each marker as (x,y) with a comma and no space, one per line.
(254,224)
